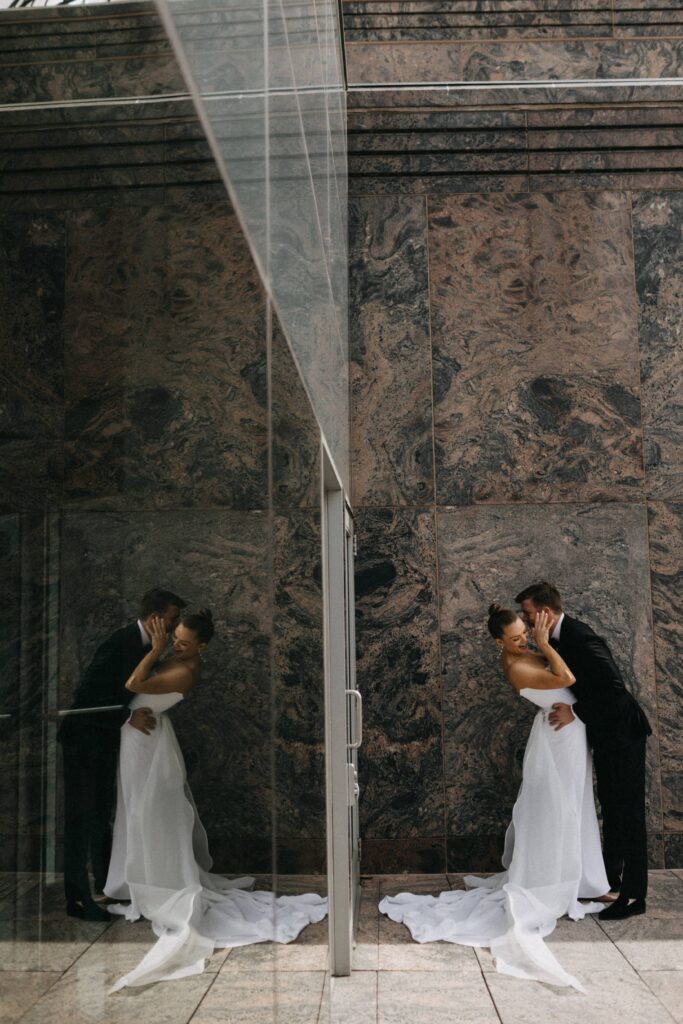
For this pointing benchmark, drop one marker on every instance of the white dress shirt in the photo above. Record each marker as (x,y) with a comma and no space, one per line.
(144,635)
(555,635)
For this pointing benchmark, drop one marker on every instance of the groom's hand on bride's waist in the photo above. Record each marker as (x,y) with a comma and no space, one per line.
(560,716)
(142,719)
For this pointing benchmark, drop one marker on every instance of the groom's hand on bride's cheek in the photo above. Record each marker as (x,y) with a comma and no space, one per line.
(560,716)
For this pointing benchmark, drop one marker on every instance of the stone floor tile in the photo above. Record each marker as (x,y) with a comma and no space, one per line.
(245,997)
(293,885)
(428,885)
(609,998)
(350,1000)
(406,997)
(649,944)
(82,996)
(665,895)
(398,952)
(277,956)
(668,987)
(580,947)
(19,990)
(370,885)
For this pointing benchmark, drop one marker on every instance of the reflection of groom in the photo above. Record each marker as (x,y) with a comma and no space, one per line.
(617,730)
(90,742)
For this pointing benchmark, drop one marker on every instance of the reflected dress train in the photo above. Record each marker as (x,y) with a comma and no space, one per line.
(160,862)
(552,859)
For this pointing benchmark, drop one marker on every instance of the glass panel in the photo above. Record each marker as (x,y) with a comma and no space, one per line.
(135,455)
(268,82)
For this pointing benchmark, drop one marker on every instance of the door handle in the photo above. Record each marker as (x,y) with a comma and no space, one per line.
(86,711)
(359,718)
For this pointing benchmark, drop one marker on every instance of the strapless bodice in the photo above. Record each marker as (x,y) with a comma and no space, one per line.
(545,699)
(156,702)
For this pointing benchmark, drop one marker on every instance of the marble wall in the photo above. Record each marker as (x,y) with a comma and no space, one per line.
(512,40)
(516,387)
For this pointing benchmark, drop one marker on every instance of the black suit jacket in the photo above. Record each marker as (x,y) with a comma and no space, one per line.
(104,683)
(612,715)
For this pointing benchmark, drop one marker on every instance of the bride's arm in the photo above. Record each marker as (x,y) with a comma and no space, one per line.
(172,679)
(525,675)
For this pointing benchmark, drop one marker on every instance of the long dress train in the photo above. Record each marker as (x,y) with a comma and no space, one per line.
(160,862)
(552,858)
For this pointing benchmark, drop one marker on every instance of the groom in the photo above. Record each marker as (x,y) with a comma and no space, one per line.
(90,746)
(617,730)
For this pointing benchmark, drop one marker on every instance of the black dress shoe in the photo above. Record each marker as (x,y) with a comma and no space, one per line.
(87,910)
(622,908)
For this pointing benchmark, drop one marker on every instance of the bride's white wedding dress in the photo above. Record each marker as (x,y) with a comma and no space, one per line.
(160,862)
(552,859)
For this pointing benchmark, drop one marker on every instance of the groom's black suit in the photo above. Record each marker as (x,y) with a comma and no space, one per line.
(90,743)
(617,729)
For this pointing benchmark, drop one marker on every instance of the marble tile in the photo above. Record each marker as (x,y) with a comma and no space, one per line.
(86,78)
(648,943)
(673,850)
(295,432)
(657,220)
(253,998)
(399,952)
(299,688)
(365,955)
(174,403)
(598,558)
(404,996)
(362,184)
(666,547)
(351,1000)
(474,853)
(398,675)
(432,885)
(664,895)
(668,987)
(580,946)
(529,279)
(608,997)
(82,996)
(219,559)
(529,61)
(390,352)
(309,952)
(33,248)
(535,362)
(20,989)
(36,934)
(655,850)
(404,854)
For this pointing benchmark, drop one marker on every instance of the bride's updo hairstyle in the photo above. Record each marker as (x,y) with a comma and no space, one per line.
(201,623)
(499,618)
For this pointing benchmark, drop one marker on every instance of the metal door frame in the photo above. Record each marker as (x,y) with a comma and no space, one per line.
(342,894)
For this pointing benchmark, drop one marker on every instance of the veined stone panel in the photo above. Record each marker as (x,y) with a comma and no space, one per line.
(535,346)
(390,352)
(666,558)
(657,240)
(598,558)
(401,764)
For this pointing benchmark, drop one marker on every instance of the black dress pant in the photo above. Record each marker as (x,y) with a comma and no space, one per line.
(89,800)
(620,776)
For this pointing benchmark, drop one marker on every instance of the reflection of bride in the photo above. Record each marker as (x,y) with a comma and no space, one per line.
(160,858)
(552,856)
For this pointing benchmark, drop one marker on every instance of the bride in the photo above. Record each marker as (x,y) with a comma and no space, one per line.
(552,855)
(160,858)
